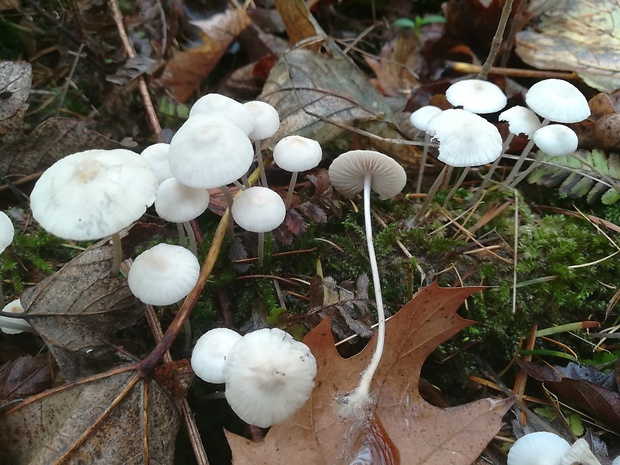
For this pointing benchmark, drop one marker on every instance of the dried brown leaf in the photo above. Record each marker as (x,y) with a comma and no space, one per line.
(187,69)
(77,310)
(25,376)
(112,418)
(421,433)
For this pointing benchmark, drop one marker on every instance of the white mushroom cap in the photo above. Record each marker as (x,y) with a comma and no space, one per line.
(14,325)
(224,107)
(465,139)
(420,118)
(177,202)
(269,376)
(557,100)
(210,353)
(521,120)
(556,140)
(258,209)
(157,156)
(348,171)
(297,153)
(579,453)
(476,96)
(266,119)
(616,461)
(93,194)
(7,231)
(209,152)
(163,275)
(541,448)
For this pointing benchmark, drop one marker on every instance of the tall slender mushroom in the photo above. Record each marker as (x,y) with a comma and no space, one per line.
(350,173)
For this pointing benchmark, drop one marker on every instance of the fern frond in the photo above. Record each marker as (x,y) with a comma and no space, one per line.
(591,174)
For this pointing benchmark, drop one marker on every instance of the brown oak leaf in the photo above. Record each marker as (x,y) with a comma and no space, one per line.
(415,431)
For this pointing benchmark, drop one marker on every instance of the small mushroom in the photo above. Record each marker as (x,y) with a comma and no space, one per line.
(296,154)
(210,354)
(268,376)
(419,119)
(221,106)
(476,96)
(350,173)
(540,448)
(10,325)
(266,124)
(579,454)
(163,274)
(157,156)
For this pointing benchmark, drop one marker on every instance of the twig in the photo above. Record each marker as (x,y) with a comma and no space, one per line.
(497,40)
(470,68)
(142,87)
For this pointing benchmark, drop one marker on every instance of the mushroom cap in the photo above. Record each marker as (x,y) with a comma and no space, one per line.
(93,194)
(541,448)
(14,325)
(348,171)
(163,274)
(521,120)
(177,202)
(420,118)
(224,107)
(556,140)
(557,100)
(7,231)
(208,152)
(210,353)
(579,453)
(476,96)
(157,156)
(297,153)
(269,376)
(266,119)
(258,209)
(465,139)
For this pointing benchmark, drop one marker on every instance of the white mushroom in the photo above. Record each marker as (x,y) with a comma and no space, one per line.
(476,96)
(266,124)
(10,325)
(221,106)
(210,354)
(163,274)
(157,156)
(269,376)
(419,119)
(541,448)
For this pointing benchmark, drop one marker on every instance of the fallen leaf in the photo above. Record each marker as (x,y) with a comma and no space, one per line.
(25,376)
(77,310)
(111,418)
(15,80)
(187,69)
(579,35)
(300,25)
(420,432)
(582,388)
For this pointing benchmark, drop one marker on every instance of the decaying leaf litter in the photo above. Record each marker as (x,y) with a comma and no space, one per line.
(310,100)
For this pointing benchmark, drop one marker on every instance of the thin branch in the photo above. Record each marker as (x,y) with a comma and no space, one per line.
(497,40)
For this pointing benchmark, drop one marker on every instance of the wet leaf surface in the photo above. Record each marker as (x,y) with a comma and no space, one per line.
(25,376)
(77,310)
(420,432)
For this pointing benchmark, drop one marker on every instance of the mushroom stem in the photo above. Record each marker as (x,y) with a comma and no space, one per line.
(261,248)
(418,186)
(430,196)
(487,177)
(291,189)
(191,236)
(456,186)
(361,395)
(510,180)
(261,165)
(117,255)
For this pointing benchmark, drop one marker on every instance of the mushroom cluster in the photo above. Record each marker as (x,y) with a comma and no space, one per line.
(268,375)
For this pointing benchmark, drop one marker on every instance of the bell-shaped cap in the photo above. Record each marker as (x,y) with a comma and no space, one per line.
(157,156)
(221,106)
(14,325)
(210,354)
(93,194)
(7,231)
(177,202)
(269,376)
(266,119)
(297,153)
(258,209)
(420,118)
(556,140)
(540,448)
(521,120)
(557,100)
(348,172)
(476,96)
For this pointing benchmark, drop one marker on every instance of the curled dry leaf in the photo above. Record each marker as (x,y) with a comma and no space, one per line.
(411,428)
(108,419)
(77,310)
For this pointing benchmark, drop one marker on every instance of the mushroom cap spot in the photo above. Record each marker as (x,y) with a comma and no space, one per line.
(521,120)
(420,118)
(348,171)
(221,106)
(266,119)
(476,96)
(556,140)
(209,152)
(297,153)
(557,100)
(92,194)
(177,202)
(541,448)
(163,274)
(210,354)
(269,376)
(465,139)
(157,156)
(7,231)
(258,209)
